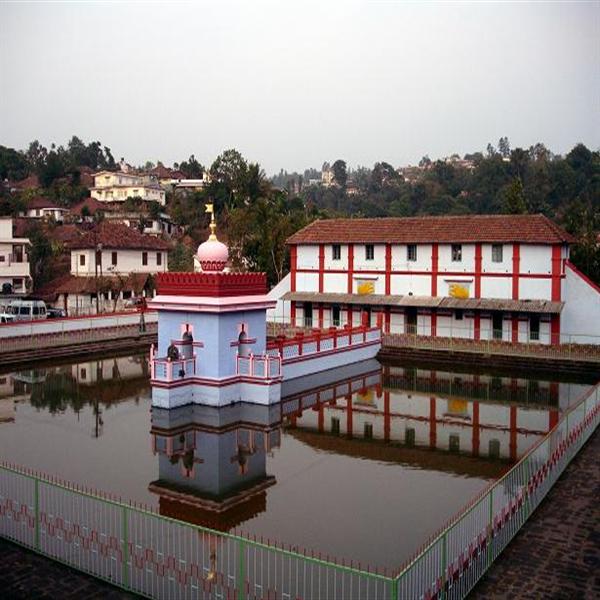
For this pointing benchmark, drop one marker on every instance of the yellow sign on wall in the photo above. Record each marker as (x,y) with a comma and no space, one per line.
(457,290)
(365,286)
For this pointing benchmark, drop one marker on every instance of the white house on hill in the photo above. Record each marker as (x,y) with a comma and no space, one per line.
(14,260)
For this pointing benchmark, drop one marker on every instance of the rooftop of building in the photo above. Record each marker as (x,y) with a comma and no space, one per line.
(41,202)
(527,229)
(118,237)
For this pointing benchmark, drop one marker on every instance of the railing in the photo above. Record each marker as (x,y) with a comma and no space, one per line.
(143,552)
(165,369)
(264,366)
(454,560)
(318,340)
(572,347)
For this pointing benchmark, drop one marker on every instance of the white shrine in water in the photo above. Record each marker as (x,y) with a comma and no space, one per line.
(212,338)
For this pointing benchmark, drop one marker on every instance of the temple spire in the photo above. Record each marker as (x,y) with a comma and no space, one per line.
(210,208)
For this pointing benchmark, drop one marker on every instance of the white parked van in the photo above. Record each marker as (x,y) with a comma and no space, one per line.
(27,310)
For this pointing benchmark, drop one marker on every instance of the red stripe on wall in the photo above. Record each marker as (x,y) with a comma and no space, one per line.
(515,329)
(434,269)
(293,267)
(293,312)
(350,266)
(388,269)
(555,330)
(321,265)
(433,323)
(515,274)
(556,272)
(477,325)
(477,270)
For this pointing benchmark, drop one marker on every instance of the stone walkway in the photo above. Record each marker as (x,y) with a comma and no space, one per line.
(25,575)
(557,553)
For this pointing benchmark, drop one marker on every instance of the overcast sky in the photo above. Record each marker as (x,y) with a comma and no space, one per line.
(292,84)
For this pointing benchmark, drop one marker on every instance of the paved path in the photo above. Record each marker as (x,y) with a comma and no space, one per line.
(557,553)
(26,575)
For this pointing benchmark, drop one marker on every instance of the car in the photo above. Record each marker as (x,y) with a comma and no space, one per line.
(6,318)
(27,309)
(56,313)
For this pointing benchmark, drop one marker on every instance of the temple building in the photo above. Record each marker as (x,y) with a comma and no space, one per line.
(483,277)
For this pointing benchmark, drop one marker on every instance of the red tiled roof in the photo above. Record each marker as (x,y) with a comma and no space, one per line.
(117,236)
(71,284)
(29,183)
(93,206)
(64,233)
(40,202)
(528,229)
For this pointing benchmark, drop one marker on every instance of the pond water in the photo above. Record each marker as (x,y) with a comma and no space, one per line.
(364,463)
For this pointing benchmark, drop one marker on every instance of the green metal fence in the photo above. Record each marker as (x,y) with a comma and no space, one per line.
(144,552)
(158,557)
(452,562)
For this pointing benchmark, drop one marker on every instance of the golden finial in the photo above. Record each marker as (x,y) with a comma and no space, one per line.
(210,208)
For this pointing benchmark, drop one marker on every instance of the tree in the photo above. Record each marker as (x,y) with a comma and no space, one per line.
(40,255)
(13,164)
(425,162)
(340,174)
(228,178)
(191,168)
(514,199)
(504,147)
(181,258)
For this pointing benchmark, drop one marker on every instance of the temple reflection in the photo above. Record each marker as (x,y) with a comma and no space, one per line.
(212,462)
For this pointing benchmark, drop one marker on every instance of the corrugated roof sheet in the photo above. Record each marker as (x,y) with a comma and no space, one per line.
(480,304)
(528,229)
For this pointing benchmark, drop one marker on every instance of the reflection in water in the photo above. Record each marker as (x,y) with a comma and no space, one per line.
(213,462)
(363,462)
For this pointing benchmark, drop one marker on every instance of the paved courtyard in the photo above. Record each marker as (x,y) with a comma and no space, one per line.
(26,575)
(557,554)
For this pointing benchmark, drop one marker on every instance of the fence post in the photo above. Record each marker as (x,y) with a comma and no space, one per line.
(241,571)
(444,562)
(396,588)
(36,497)
(125,547)
(491,529)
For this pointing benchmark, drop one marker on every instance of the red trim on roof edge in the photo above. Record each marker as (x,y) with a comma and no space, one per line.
(575,270)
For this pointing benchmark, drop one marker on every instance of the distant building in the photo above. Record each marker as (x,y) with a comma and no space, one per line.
(110,264)
(110,186)
(14,260)
(327,175)
(493,277)
(160,225)
(42,208)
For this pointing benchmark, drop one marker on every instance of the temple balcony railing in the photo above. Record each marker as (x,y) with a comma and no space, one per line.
(322,340)
(168,370)
(261,366)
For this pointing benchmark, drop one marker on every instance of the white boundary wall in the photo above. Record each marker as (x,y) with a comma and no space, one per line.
(49,326)
(581,313)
